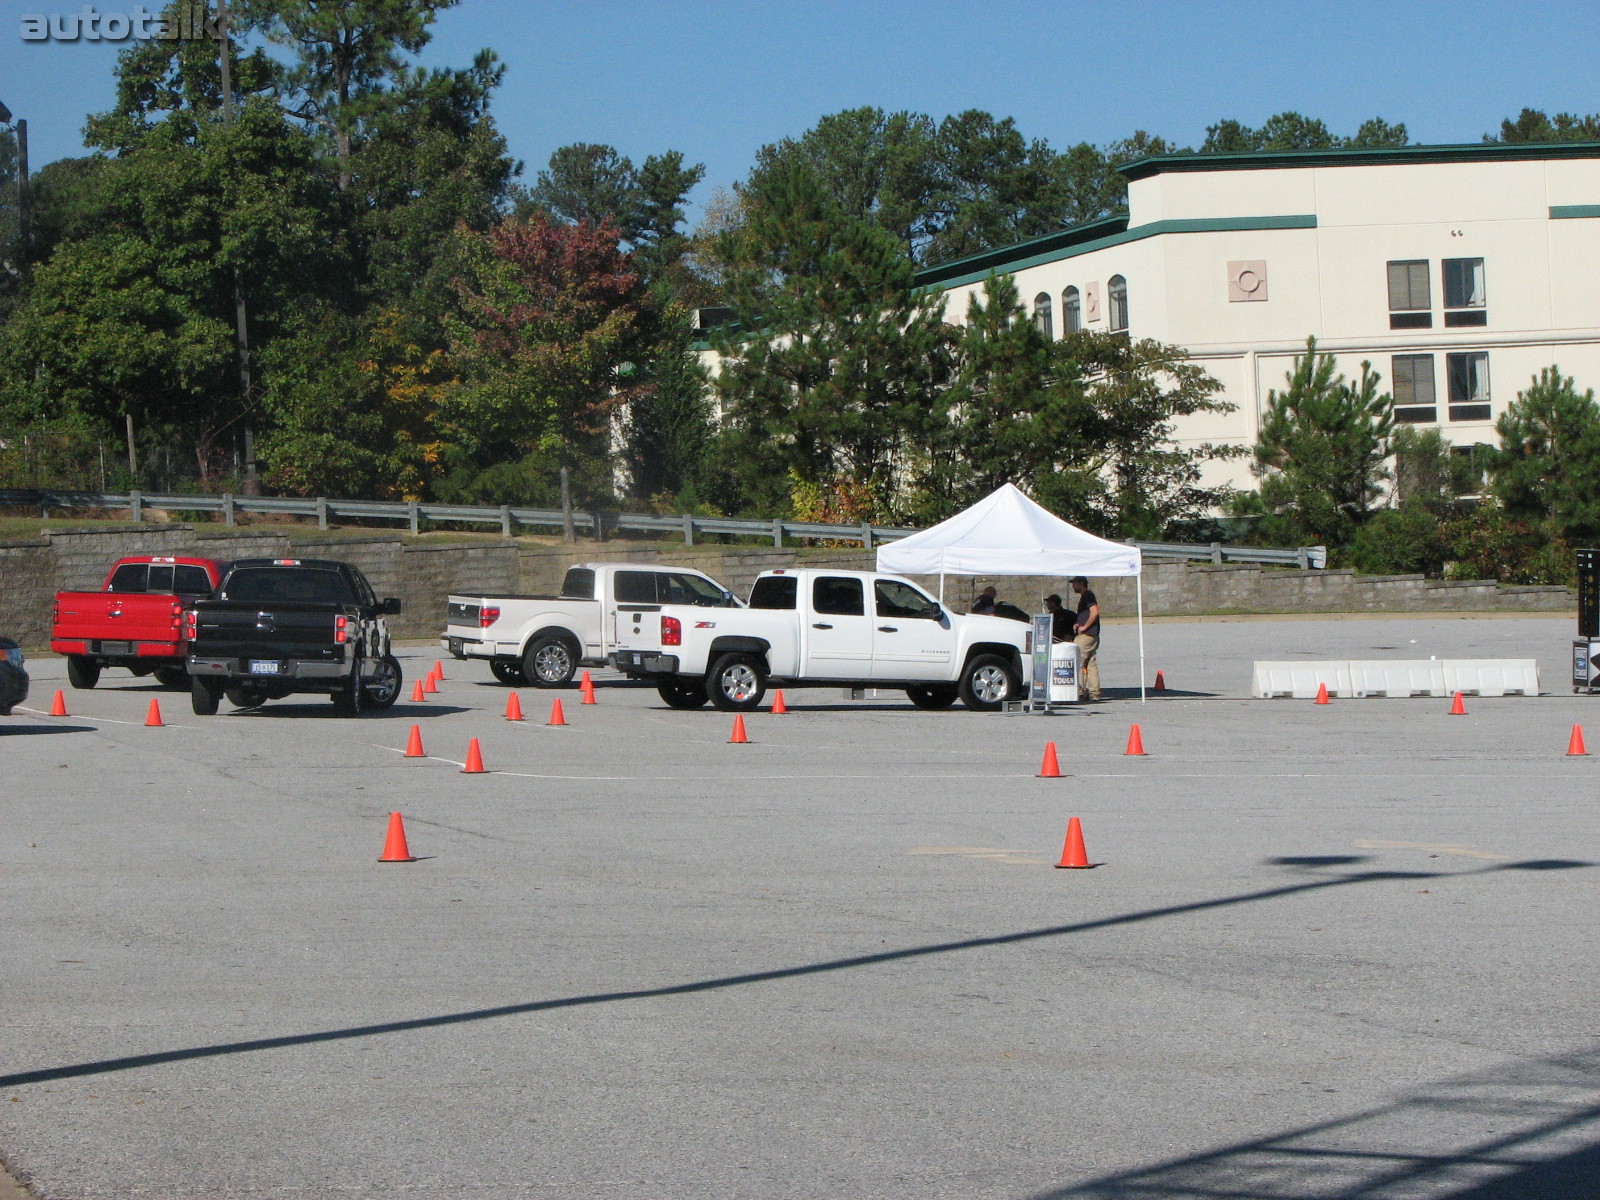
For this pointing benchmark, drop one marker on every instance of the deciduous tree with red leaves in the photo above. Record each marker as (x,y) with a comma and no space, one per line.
(552,319)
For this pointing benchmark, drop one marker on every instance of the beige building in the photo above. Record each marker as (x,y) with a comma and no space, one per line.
(1457,271)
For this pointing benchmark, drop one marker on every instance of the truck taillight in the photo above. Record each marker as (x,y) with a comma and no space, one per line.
(191,623)
(341,630)
(671,631)
(487,617)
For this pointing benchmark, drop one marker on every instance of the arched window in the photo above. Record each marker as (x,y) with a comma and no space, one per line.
(1117,290)
(1041,314)
(1071,311)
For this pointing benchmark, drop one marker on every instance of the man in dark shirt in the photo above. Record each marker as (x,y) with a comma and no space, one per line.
(1086,631)
(985,601)
(1061,619)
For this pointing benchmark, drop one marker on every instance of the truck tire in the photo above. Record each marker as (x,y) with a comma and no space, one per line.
(933,695)
(987,682)
(82,673)
(549,662)
(685,695)
(509,673)
(172,678)
(736,682)
(383,689)
(245,695)
(347,699)
(204,696)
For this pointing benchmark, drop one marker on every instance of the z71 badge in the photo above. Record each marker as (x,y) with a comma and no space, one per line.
(705,624)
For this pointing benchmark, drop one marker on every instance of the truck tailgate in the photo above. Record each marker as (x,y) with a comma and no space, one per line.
(122,623)
(226,630)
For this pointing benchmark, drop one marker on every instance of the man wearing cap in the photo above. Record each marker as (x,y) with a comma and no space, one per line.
(1086,634)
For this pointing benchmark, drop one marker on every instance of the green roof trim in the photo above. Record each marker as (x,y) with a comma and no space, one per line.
(1011,259)
(1261,160)
(1568,212)
(987,260)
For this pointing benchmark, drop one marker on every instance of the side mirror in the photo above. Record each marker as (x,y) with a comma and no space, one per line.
(390,607)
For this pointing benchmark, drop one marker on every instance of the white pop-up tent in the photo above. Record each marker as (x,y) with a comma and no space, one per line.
(1006,533)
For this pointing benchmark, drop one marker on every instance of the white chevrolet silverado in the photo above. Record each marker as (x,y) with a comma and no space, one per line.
(806,628)
(543,640)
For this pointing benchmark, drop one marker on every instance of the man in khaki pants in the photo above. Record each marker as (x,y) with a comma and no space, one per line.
(1086,636)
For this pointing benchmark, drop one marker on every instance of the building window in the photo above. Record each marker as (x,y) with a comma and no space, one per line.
(1117,295)
(1464,299)
(1414,399)
(1071,311)
(1410,301)
(1469,386)
(1041,314)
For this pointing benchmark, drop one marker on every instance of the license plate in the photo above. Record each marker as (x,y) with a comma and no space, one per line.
(116,647)
(455,647)
(260,666)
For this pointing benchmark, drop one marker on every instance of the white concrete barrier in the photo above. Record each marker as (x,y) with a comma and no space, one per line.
(1397,677)
(1300,679)
(1492,676)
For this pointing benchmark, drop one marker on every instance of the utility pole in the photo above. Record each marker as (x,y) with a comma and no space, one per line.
(251,484)
(21,129)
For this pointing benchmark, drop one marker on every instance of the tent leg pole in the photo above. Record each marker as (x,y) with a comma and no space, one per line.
(941,587)
(1138,591)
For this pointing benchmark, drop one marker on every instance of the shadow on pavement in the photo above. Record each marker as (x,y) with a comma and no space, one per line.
(1527,1131)
(15,728)
(1318,883)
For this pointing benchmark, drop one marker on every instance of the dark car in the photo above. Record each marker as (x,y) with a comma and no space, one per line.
(281,626)
(13,677)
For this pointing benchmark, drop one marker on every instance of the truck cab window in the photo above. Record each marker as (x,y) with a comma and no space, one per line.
(129,577)
(579,584)
(897,599)
(635,587)
(257,585)
(191,581)
(159,580)
(776,592)
(678,588)
(838,596)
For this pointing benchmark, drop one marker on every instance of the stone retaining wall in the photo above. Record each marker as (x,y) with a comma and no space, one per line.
(422,574)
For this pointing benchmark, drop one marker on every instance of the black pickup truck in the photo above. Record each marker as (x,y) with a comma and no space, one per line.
(279,626)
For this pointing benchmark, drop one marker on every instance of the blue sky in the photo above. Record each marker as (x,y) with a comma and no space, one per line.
(718,79)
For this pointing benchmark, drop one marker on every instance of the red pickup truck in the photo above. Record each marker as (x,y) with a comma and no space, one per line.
(134,621)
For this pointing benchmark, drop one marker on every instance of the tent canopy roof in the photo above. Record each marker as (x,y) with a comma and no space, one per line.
(1006,533)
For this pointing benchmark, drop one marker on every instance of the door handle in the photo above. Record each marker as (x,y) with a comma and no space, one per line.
(888,629)
(819,625)
(115,612)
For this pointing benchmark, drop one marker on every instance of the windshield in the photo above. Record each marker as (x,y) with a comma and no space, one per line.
(294,585)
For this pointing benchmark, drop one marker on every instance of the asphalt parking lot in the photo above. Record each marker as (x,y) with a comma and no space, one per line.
(1326,951)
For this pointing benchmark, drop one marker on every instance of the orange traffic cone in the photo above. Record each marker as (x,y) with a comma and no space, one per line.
(587,688)
(778,706)
(58,706)
(1574,745)
(1135,742)
(513,707)
(428,685)
(558,715)
(416,692)
(153,717)
(1458,709)
(474,759)
(738,730)
(394,846)
(1322,693)
(1073,853)
(1050,769)
(414,744)
(438,669)
(1161,682)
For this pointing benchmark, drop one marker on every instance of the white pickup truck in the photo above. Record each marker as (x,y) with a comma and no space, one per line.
(805,628)
(543,640)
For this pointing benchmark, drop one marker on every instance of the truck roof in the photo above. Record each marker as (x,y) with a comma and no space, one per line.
(164,559)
